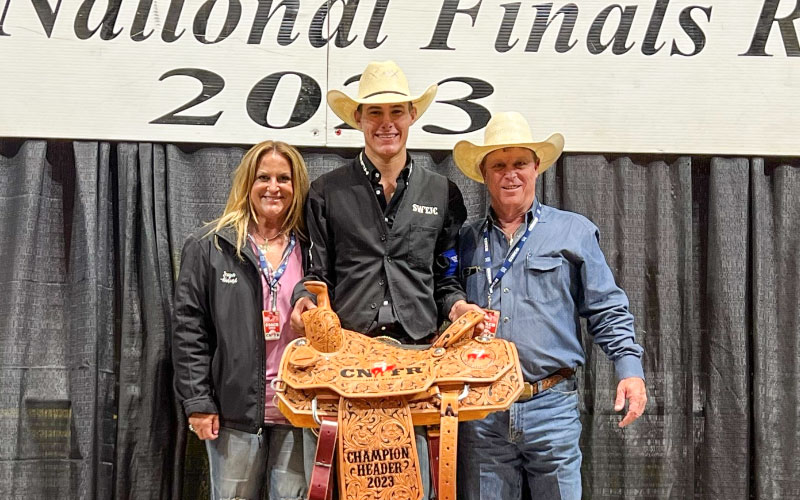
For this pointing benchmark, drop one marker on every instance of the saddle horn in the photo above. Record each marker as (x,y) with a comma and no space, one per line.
(323,329)
(319,289)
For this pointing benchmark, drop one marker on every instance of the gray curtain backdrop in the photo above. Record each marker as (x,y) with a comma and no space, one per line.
(706,248)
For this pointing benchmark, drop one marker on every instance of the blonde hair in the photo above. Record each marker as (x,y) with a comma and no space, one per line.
(239,211)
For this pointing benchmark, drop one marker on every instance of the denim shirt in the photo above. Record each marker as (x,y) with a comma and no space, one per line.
(559,276)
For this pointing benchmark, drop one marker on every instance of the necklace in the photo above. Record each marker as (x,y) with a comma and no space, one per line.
(265,246)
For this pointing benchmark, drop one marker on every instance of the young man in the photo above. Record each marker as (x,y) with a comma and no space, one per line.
(383,230)
(546,271)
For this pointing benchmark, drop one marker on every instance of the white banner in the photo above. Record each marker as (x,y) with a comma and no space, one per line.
(661,76)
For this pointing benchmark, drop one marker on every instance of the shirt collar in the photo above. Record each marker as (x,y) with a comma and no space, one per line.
(374,175)
(528,215)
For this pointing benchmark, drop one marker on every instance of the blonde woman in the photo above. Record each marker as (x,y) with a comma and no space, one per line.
(231,325)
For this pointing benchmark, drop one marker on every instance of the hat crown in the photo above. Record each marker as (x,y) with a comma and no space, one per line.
(507,128)
(382,77)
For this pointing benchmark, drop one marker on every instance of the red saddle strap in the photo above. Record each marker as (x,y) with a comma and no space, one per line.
(433,456)
(321,487)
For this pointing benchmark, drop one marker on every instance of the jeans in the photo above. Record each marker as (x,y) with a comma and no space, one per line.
(421,439)
(241,463)
(538,438)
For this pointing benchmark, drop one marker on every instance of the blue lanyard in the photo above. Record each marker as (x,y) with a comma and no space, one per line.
(266,268)
(510,256)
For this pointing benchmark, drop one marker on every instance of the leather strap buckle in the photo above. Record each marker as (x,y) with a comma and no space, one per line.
(530,390)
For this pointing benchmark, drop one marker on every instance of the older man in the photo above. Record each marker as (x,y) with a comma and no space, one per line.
(540,269)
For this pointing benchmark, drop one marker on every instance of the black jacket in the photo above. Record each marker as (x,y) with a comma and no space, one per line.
(218,350)
(352,248)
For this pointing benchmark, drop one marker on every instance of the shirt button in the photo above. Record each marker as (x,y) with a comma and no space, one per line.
(383,237)
(505,290)
(377,191)
(386,219)
(386,302)
(381,282)
(389,259)
(374,305)
(505,320)
(383,328)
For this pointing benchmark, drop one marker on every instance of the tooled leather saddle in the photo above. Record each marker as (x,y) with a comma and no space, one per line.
(366,395)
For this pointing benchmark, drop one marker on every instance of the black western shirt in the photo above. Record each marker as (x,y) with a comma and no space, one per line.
(385,262)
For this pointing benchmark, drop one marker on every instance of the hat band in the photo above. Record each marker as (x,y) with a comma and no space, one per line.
(384,92)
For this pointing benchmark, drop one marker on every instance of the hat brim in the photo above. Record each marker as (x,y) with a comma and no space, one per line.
(345,106)
(468,156)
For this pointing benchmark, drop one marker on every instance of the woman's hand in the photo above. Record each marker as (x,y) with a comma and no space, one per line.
(302,305)
(205,425)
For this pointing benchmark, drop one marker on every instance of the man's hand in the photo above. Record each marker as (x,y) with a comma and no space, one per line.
(460,308)
(302,305)
(633,390)
(205,425)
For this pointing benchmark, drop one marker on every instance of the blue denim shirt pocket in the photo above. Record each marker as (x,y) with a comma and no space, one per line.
(543,278)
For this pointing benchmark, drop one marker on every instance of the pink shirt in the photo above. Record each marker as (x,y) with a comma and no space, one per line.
(275,348)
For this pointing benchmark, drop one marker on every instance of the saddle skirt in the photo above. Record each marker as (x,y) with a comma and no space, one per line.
(376,391)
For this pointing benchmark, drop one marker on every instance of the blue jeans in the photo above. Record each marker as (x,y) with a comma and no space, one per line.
(421,439)
(538,438)
(238,463)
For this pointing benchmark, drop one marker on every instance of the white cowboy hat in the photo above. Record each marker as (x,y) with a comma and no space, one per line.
(506,130)
(382,82)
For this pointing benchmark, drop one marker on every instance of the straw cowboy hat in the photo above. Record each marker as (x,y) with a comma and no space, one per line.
(506,130)
(382,82)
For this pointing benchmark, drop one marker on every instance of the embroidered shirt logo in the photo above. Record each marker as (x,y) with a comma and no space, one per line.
(422,209)
(229,278)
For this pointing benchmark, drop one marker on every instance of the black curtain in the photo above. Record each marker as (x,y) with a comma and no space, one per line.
(707,249)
